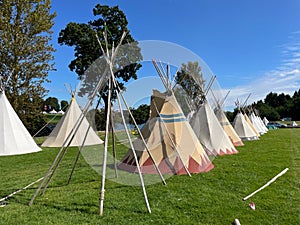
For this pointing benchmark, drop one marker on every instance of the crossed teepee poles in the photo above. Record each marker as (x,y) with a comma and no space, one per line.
(107,76)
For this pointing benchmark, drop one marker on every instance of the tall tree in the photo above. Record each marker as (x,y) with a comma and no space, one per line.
(82,36)
(26,55)
(52,103)
(64,105)
(191,80)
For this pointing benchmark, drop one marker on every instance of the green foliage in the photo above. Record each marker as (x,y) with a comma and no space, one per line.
(279,106)
(191,80)
(82,36)
(230,115)
(53,103)
(214,197)
(141,114)
(64,105)
(100,119)
(26,55)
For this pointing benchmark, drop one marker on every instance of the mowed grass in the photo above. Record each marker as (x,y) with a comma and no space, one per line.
(207,198)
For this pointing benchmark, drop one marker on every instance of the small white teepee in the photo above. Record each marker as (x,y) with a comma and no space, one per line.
(64,127)
(251,125)
(243,128)
(266,121)
(256,123)
(14,137)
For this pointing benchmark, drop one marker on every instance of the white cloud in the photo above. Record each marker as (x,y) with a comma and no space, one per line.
(283,79)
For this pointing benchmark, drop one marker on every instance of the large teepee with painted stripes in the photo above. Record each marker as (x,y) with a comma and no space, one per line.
(170,139)
(85,134)
(14,137)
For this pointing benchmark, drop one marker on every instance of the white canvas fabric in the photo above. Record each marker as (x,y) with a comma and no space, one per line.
(243,129)
(62,130)
(251,125)
(254,120)
(167,126)
(262,124)
(14,137)
(210,132)
(266,121)
(228,128)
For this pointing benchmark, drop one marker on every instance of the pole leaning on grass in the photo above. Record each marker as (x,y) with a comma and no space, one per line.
(267,184)
(22,189)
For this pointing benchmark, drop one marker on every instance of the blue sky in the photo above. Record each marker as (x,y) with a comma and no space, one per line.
(252,46)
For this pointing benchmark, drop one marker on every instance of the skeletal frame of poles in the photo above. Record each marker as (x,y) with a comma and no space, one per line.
(66,144)
(110,60)
(119,93)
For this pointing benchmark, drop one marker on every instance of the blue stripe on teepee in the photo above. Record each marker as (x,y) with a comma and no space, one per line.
(171,115)
(181,119)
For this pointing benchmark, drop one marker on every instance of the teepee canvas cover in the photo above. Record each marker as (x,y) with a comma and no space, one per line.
(251,125)
(14,137)
(229,130)
(62,130)
(167,120)
(256,123)
(243,129)
(209,131)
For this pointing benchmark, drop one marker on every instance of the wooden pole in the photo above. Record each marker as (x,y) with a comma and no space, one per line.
(24,188)
(62,148)
(105,149)
(140,134)
(135,156)
(113,144)
(267,184)
(81,147)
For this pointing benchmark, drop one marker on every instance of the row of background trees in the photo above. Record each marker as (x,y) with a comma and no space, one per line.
(276,107)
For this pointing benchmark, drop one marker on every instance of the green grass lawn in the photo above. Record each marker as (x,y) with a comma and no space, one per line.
(207,198)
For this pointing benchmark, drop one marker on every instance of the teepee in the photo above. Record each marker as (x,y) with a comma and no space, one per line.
(208,129)
(251,125)
(256,123)
(265,120)
(224,122)
(85,134)
(169,137)
(228,128)
(243,128)
(210,132)
(14,137)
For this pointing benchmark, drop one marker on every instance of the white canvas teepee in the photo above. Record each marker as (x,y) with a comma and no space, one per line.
(229,130)
(251,125)
(209,131)
(166,133)
(85,133)
(243,129)
(14,137)
(266,121)
(256,123)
